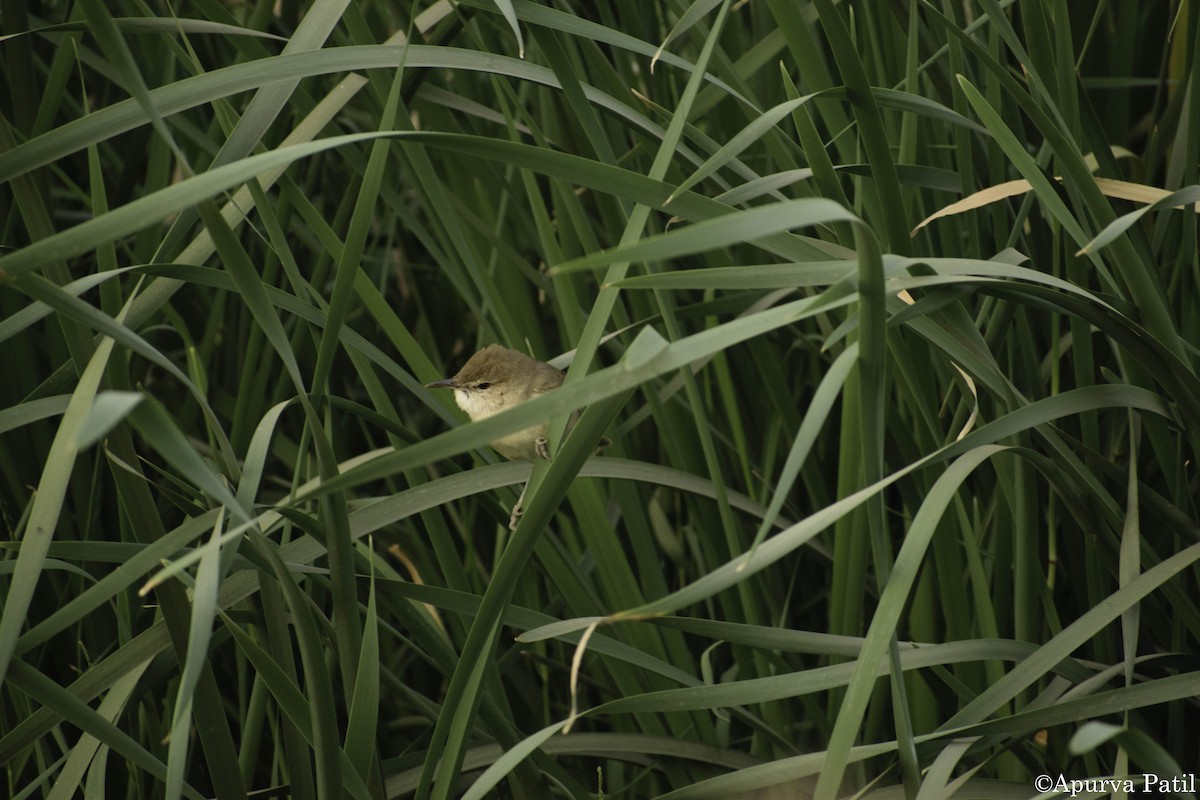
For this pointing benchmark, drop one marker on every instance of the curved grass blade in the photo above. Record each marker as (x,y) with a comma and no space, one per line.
(892,602)
(152,208)
(48,502)
(364,706)
(775,548)
(80,757)
(69,707)
(755,130)
(734,228)
(1186,196)
(204,604)
(510,16)
(153,25)
(106,412)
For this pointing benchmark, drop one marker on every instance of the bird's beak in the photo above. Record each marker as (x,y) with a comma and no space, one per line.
(447,383)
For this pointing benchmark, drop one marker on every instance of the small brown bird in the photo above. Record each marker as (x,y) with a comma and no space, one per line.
(496,379)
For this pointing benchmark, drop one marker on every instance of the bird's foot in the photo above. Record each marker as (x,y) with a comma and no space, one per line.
(539,447)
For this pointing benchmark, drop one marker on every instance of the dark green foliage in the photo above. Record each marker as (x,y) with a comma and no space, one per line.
(889,309)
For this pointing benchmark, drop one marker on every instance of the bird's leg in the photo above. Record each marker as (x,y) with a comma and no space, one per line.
(539,447)
(517,509)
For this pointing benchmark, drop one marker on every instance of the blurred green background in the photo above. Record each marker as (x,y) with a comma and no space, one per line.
(890,311)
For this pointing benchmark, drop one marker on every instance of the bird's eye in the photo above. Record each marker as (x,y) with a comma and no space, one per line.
(483,385)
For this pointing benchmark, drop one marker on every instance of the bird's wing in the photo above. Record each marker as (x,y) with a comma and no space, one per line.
(547,379)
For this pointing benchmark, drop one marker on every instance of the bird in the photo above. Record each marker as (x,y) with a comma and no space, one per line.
(497,378)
